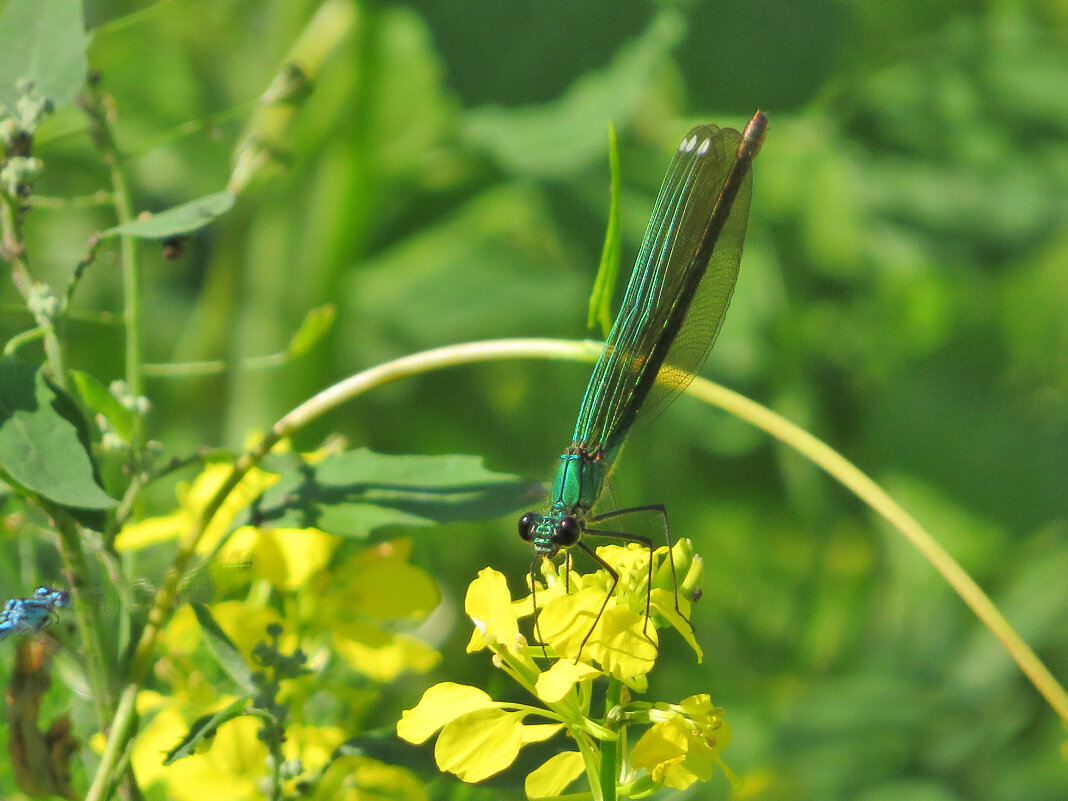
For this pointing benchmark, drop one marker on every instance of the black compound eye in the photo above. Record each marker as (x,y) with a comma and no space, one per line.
(567,532)
(526,526)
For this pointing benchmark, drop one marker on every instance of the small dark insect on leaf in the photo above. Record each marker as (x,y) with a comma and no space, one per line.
(174,247)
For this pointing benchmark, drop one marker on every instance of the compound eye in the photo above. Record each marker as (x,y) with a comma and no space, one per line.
(527,524)
(567,532)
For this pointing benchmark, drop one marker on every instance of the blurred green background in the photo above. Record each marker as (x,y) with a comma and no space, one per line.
(903,296)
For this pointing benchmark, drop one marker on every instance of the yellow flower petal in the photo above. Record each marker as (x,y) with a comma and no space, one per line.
(479,744)
(288,557)
(380,583)
(558,680)
(441,704)
(489,605)
(152,531)
(552,778)
(380,654)
(538,732)
(663,602)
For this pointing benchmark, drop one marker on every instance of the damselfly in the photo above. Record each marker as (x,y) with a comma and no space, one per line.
(678,294)
(28,615)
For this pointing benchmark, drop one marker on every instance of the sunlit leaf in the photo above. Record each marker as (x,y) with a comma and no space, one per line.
(44,441)
(357,492)
(315,325)
(559,137)
(225,651)
(205,726)
(604,284)
(182,219)
(43,41)
(97,397)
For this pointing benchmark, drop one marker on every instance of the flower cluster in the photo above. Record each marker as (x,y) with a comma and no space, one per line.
(585,635)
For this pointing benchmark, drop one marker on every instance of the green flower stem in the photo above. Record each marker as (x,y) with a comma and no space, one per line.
(610,748)
(104,139)
(87,614)
(496,350)
(876,497)
(12,250)
(122,731)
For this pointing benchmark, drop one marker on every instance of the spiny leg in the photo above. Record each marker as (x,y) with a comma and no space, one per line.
(654,507)
(612,589)
(648,543)
(534,604)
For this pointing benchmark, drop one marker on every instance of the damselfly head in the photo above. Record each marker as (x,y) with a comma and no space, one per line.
(549,535)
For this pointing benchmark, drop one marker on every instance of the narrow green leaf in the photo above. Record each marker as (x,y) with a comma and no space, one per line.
(42,41)
(183,219)
(44,440)
(205,727)
(317,322)
(604,285)
(97,398)
(223,649)
(357,492)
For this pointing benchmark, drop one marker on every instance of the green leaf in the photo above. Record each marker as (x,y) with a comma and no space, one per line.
(44,441)
(183,219)
(222,647)
(205,726)
(356,492)
(42,41)
(557,138)
(604,286)
(97,398)
(317,322)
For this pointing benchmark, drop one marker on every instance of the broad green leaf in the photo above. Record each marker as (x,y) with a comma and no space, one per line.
(604,285)
(317,322)
(557,138)
(440,705)
(226,653)
(42,41)
(97,397)
(44,441)
(356,492)
(205,726)
(553,777)
(182,219)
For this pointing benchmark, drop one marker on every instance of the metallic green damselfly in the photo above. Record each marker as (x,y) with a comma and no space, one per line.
(673,309)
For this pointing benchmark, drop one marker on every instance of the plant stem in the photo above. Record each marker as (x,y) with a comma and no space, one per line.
(496,350)
(610,748)
(876,497)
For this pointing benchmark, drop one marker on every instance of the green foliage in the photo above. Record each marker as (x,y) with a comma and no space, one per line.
(44,46)
(434,174)
(184,219)
(354,493)
(44,440)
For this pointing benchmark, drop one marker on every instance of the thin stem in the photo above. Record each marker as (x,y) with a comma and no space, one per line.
(872,494)
(496,350)
(87,615)
(104,139)
(610,748)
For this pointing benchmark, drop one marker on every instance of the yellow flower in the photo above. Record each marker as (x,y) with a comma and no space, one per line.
(685,743)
